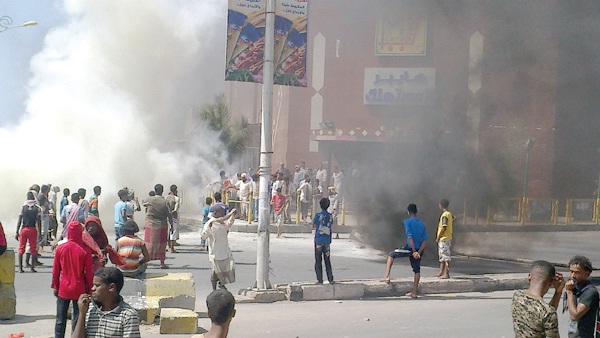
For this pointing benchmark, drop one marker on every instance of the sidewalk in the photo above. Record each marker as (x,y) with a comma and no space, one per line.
(361,288)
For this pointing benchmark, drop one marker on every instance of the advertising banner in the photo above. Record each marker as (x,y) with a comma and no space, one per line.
(290,42)
(246,41)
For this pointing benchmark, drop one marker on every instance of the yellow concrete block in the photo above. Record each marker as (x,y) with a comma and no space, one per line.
(150,311)
(7,267)
(8,301)
(170,285)
(177,321)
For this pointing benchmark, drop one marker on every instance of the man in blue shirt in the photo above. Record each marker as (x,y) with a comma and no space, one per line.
(416,240)
(120,212)
(322,223)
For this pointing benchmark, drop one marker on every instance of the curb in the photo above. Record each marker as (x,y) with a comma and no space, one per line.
(361,289)
(243,226)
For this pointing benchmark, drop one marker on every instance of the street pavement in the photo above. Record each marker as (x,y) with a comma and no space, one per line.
(462,315)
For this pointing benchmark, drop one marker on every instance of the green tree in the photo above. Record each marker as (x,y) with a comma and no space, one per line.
(232,132)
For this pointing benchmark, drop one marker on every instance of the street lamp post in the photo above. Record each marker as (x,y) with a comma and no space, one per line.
(597,214)
(6,23)
(266,146)
(528,146)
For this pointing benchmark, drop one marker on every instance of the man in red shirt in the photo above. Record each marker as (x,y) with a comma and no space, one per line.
(278,202)
(72,275)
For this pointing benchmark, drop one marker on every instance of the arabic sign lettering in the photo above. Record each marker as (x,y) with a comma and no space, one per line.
(399,86)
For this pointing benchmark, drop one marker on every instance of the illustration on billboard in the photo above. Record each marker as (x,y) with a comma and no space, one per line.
(246,42)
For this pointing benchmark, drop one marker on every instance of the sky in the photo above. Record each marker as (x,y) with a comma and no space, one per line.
(100,93)
(17,47)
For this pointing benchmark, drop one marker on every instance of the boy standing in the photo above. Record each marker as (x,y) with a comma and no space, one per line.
(322,223)
(278,203)
(221,310)
(581,298)
(416,240)
(443,239)
(205,218)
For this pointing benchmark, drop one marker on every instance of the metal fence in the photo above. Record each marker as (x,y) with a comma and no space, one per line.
(534,211)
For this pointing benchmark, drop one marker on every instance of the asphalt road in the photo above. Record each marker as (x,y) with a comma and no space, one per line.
(466,315)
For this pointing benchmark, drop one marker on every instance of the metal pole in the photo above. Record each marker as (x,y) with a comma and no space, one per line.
(266,145)
(596,215)
(528,146)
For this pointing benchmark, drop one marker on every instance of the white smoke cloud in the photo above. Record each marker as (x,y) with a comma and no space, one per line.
(110,91)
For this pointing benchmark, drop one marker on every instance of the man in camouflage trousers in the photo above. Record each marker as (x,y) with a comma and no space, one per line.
(532,317)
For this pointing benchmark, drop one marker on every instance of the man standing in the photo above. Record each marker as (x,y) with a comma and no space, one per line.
(305,196)
(416,240)
(581,299)
(221,310)
(322,223)
(215,231)
(72,275)
(443,239)
(83,204)
(532,317)
(244,187)
(120,212)
(278,203)
(44,204)
(28,227)
(173,203)
(94,202)
(159,223)
(321,175)
(108,315)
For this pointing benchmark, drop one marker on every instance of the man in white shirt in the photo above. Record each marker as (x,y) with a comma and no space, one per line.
(244,187)
(321,175)
(215,231)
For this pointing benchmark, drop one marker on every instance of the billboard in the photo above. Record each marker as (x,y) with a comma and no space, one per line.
(246,41)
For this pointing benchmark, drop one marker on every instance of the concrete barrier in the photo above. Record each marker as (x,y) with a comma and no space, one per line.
(178,321)
(8,297)
(157,291)
(358,289)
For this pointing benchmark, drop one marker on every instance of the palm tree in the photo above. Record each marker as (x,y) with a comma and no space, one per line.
(233,133)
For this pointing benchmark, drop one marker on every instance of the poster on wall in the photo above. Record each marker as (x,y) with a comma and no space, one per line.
(401,35)
(246,41)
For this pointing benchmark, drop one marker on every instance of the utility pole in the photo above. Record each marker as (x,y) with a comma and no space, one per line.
(266,149)
(528,146)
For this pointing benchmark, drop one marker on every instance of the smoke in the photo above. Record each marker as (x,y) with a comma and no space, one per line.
(110,97)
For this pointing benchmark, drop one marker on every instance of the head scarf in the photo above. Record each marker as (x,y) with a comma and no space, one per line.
(75,232)
(100,237)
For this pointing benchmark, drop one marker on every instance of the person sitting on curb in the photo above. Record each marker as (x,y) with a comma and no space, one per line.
(221,310)
(108,315)
(130,247)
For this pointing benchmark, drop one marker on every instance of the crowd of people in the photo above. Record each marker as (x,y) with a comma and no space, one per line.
(80,275)
(82,250)
(301,189)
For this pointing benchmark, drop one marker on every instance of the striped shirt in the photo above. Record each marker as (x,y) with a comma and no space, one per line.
(121,321)
(130,248)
